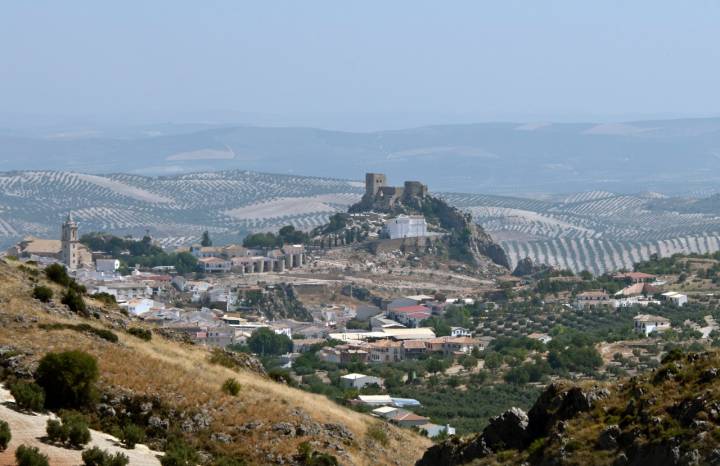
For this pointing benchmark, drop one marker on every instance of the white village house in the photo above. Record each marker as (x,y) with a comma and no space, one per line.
(648,323)
(359,381)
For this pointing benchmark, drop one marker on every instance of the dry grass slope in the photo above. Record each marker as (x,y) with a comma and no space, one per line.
(183,378)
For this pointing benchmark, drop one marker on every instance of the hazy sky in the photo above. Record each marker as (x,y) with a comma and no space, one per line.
(360,64)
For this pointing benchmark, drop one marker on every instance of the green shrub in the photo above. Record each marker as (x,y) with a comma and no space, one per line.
(98,457)
(30,456)
(73,430)
(5,435)
(142,333)
(229,461)
(99,332)
(105,298)
(68,379)
(179,453)
(377,433)
(58,274)
(308,457)
(76,426)
(103,333)
(28,395)
(231,387)
(132,435)
(74,300)
(55,431)
(42,293)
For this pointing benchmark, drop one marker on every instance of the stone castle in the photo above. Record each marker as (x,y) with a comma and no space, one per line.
(378,193)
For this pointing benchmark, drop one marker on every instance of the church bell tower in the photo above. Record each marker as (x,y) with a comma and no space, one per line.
(69,240)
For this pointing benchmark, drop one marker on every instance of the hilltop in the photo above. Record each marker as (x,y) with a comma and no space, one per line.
(465,240)
(174,389)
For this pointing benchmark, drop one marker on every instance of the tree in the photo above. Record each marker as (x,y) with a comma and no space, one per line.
(493,361)
(265,341)
(289,235)
(438,324)
(30,456)
(205,241)
(468,362)
(435,365)
(517,375)
(68,379)
(262,240)
(42,293)
(5,435)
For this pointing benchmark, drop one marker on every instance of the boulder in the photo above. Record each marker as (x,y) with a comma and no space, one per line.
(608,439)
(508,430)
(559,402)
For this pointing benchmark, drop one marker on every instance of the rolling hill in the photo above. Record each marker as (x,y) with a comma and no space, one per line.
(596,231)
(671,156)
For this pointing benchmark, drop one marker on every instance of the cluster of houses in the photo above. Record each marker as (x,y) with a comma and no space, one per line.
(242,260)
(641,290)
(394,349)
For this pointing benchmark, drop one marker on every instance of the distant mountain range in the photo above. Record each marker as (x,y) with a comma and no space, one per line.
(666,156)
(596,230)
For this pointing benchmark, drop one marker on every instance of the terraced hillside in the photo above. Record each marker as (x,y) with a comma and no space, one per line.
(596,231)
(174,209)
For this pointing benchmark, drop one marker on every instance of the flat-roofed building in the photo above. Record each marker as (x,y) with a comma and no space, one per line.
(676,298)
(405,226)
(359,381)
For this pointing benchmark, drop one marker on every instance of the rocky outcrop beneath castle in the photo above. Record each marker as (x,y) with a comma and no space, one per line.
(466,241)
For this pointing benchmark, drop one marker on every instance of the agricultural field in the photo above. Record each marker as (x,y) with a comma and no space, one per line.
(597,231)
(174,209)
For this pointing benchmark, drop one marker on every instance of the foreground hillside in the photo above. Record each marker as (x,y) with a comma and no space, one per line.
(176,390)
(669,416)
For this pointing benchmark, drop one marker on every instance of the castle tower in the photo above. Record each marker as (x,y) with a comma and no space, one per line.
(69,239)
(373,183)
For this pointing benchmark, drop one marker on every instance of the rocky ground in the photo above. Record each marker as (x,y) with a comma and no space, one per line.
(670,416)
